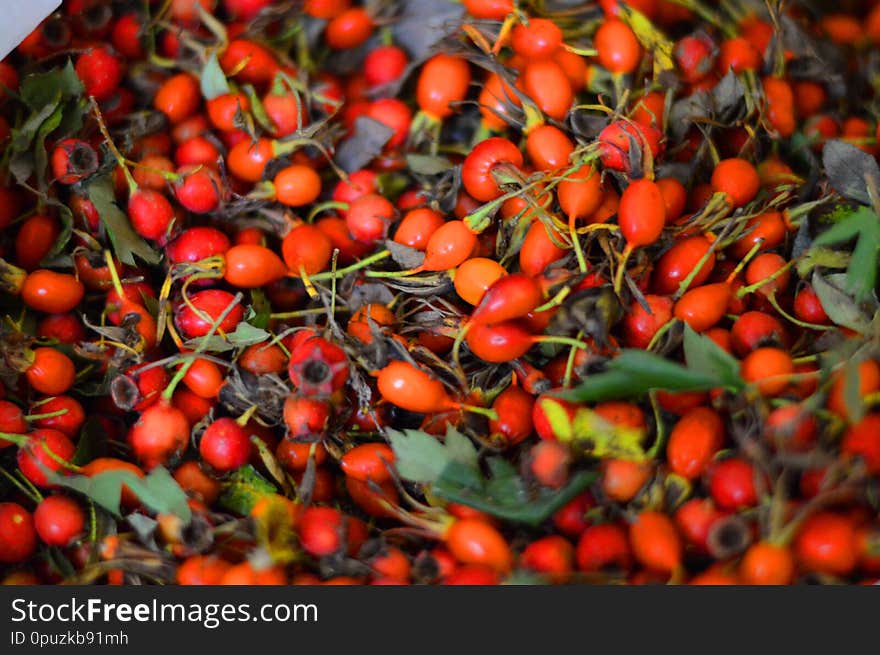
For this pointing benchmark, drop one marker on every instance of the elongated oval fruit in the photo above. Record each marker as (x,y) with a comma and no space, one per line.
(413,389)
(509,297)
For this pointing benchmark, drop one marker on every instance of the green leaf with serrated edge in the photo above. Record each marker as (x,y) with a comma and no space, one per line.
(817,257)
(23,137)
(66,217)
(533,511)
(504,485)
(40,89)
(457,475)
(418,456)
(841,309)
(244,334)
(460,448)
(126,242)
(92,442)
(862,270)
(213,80)
(705,356)
(635,372)
(41,157)
(243,489)
(602,439)
(160,492)
(157,490)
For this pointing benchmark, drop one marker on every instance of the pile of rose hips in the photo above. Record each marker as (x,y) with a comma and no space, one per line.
(552,188)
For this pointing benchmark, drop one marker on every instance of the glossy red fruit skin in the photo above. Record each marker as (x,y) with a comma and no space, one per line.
(616,141)
(443,80)
(199,191)
(368,462)
(322,531)
(514,422)
(225,445)
(826,543)
(151,213)
(18,538)
(369,217)
(602,546)
(679,261)
(32,458)
(642,213)
(552,555)
(69,423)
(732,484)
(694,441)
(509,297)
(695,519)
(59,520)
(476,173)
(213,303)
(754,329)
(306,416)
(160,435)
(640,326)
(500,342)
(99,71)
(197,243)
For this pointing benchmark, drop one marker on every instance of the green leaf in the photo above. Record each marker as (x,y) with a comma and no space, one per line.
(92,442)
(40,89)
(243,489)
(41,157)
(531,511)
(861,274)
(848,169)
(213,80)
(59,247)
(126,242)
(705,356)
(158,490)
(602,439)
(23,137)
(652,39)
(262,309)
(817,257)
(460,448)
(427,164)
(244,334)
(635,372)
(504,485)
(451,472)
(418,456)
(841,309)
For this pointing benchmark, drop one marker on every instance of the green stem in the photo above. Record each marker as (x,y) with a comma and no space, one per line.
(39,417)
(490,414)
(562,341)
(810,326)
(183,370)
(34,495)
(363,263)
